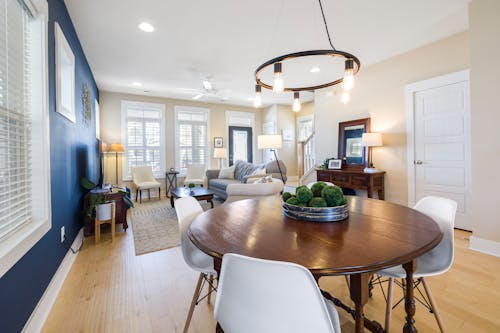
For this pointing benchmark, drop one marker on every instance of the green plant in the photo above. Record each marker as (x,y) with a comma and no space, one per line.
(333,196)
(317,202)
(191,185)
(293,201)
(317,188)
(303,194)
(285,196)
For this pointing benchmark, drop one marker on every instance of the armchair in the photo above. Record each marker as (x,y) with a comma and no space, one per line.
(144,180)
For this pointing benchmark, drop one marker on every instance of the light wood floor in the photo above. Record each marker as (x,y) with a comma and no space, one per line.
(109,289)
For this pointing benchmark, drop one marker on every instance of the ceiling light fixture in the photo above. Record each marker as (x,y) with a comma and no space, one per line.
(146,27)
(296,102)
(257,100)
(351,68)
(207,85)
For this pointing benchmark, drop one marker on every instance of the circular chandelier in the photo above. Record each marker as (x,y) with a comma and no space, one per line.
(351,68)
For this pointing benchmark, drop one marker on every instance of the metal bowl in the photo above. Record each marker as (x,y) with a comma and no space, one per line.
(316,214)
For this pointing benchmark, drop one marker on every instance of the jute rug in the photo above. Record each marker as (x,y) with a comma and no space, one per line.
(154,225)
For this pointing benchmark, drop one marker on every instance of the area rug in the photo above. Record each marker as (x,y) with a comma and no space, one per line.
(154,225)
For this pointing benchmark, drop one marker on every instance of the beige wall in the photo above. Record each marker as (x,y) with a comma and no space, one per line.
(485,118)
(111,131)
(379,94)
(284,118)
(306,110)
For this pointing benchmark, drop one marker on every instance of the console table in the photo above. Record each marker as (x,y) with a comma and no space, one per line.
(120,211)
(355,179)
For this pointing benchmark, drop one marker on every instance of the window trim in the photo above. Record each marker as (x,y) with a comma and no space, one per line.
(125,104)
(178,109)
(14,246)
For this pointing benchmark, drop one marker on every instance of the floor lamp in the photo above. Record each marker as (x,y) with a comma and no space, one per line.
(272,142)
(116,148)
(220,154)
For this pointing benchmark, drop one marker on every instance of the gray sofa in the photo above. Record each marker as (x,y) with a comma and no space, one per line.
(242,172)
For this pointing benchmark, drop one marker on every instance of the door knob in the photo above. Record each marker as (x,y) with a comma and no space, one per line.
(418,162)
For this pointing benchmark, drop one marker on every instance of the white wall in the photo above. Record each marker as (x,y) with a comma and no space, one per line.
(379,94)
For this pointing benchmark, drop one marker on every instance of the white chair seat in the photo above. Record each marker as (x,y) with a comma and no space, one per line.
(147,185)
(427,265)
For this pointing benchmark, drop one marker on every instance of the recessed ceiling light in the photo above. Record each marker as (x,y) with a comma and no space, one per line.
(145,26)
(315,69)
(137,84)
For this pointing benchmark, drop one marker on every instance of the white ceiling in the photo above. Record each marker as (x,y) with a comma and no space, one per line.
(226,40)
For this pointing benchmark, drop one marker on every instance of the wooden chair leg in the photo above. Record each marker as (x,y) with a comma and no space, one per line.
(140,196)
(210,287)
(97,231)
(388,306)
(159,193)
(347,281)
(149,194)
(433,305)
(193,303)
(136,195)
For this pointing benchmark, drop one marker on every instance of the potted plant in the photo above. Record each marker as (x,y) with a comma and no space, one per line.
(191,187)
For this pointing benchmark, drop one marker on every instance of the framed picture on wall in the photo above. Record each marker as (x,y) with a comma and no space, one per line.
(65,76)
(335,164)
(218,142)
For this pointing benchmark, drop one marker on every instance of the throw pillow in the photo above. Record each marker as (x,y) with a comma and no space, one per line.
(258,172)
(227,173)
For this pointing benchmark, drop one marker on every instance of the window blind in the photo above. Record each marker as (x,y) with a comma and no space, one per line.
(192,129)
(15,117)
(143,138)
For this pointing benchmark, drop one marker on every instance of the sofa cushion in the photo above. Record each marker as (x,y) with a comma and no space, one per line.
(227,173)
(222,183)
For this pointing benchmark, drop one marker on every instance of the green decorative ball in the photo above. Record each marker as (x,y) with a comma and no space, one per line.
(293,201)
(285,196)
(302,204)
(333,196)
(317,188)
(303,194)
(317,202)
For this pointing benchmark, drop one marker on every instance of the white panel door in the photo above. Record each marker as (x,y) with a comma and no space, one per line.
(442,146)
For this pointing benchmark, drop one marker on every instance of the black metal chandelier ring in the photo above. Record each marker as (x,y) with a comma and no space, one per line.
(332,53)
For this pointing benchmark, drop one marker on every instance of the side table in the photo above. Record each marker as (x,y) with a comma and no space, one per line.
(170,181)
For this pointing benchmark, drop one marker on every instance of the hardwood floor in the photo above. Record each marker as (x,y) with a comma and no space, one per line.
(109,289)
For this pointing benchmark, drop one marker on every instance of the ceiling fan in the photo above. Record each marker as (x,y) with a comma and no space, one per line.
(208,90)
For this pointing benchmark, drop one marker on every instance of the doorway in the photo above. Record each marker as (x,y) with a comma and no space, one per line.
(439,142)
(240,144)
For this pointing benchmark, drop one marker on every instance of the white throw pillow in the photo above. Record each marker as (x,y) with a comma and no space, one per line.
(227,173)
(258,172)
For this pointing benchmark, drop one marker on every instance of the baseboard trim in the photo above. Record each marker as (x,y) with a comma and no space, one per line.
(485,246)
(39,315)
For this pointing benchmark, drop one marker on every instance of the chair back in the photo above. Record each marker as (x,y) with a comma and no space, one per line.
(256,295)
(187,210)
(236,192)
(142,174)
(442,211)
(195,171)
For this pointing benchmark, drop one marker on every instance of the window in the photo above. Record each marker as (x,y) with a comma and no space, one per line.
(191,136)
(304,127)
(144,126)
(24,129)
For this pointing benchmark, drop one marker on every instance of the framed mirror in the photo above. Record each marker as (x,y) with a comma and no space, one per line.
(351,151)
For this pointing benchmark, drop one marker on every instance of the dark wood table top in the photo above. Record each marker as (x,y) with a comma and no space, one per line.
(377,234)
(182,192)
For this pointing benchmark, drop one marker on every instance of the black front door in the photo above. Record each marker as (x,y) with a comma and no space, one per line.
(240,144)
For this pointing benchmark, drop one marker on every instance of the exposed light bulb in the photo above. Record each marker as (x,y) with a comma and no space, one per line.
(348,81)
(296,102)
(257,101)
(345,97)
(278,84)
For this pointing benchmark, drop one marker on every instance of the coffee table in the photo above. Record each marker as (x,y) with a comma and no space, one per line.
(199,193)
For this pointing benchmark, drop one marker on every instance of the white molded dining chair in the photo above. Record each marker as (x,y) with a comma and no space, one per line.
(256,295)
(195,174)
(143,179)
(435,262)
(187,210)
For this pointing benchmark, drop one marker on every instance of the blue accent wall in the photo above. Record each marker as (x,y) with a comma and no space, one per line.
(73,154)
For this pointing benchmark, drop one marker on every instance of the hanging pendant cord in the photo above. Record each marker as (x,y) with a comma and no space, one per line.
(326,26)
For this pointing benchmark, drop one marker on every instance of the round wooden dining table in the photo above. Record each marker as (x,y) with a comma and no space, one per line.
(377,234)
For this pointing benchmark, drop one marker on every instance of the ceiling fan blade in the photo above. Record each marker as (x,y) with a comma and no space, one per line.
(198,96)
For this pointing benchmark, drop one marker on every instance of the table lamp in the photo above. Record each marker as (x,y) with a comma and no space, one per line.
(116,148)
(272,142)
(220,154)
(371,140)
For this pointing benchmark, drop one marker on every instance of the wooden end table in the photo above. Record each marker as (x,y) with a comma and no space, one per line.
(199,193)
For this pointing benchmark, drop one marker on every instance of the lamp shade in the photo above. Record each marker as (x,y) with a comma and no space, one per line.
(269,141)
(371,140)
(220,152)
(116,148)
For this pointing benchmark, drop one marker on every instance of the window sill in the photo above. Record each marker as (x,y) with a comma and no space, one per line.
(15,246)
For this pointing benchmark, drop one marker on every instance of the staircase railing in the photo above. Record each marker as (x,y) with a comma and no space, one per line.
(306,156)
